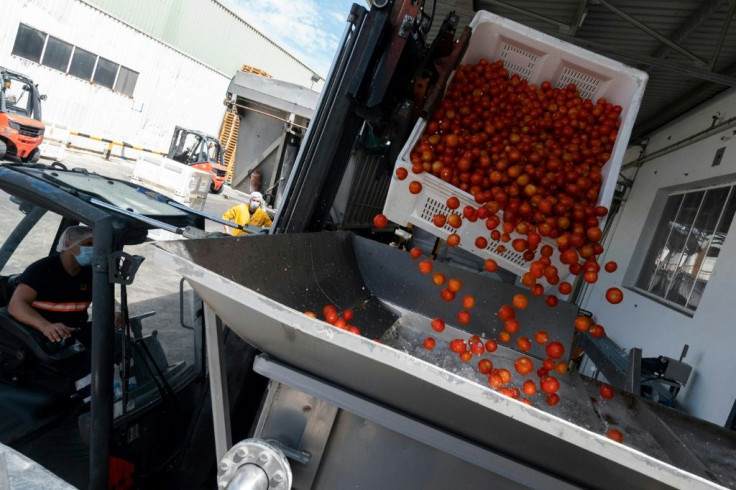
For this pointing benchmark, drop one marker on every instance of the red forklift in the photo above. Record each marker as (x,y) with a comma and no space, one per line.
(21,129)
(202,151)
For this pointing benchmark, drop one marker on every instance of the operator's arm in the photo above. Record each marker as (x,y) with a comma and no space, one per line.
(20,308)
(230,216)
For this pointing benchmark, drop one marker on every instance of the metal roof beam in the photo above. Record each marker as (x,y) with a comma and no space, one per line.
(649,31)
(722,37)
(580,17)
(695,72)
(693,22)
(564,28)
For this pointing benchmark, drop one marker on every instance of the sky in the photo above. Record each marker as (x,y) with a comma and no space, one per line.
(308,29)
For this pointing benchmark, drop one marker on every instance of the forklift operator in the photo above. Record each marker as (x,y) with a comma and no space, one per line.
(248,214)
(54,293)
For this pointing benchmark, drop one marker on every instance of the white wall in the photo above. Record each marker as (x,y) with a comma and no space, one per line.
(659,330)
(172,89)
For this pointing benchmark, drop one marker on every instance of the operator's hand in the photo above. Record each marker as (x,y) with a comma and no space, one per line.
(56,332)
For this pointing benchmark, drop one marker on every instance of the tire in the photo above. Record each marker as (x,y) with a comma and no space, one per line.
(3,149)
(34,157)
(217,191)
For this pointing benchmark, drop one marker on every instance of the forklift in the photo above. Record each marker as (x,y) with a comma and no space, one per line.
(21,126)
(201,151)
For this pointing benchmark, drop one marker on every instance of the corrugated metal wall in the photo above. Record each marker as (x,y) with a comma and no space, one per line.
(171,89)
(209,32)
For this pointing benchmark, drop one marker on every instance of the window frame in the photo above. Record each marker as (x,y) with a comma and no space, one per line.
(653,223)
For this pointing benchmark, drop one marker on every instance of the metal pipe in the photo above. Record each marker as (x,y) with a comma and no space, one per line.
(241,106)
(727,124)
(102,357)
(249,477)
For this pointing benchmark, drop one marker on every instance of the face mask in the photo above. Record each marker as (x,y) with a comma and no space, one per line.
(253,206)
(85,256)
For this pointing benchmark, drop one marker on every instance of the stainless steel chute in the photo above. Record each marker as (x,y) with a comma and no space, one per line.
(260,286)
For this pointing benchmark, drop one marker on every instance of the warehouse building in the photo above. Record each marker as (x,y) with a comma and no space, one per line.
(132,71)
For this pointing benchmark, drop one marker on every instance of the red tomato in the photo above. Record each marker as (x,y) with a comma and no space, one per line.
(549,384)
(560,367)
(523,365)
(463,317)
(415,252)
(548,364)
(311,313)
(615,435)
(415,187)
(511,326)
(454,220)
(439,220)
(491,345)
(524,344)
(453,240)
(582,323)
(329,310)
(519,301)
(454,285)
(485,366)
(553,399)
(504,337)
(611,266)
(597,331)
(380,221)
(447,295)
(457,346)
(481,242)
(565,288)
(614,296)
(354,329)
(429,343)
(506,313)
(340,323)
(347,315)
(453,202)
(529,387)
(606,391)
(495,380)
(466,356)
(551,300)
(425,266)
(505,375)
(468,301)
(490,265)
(537,290)
(438,324)
(541,337)
(477,349)
(438,278)
(401,173)
(555,350)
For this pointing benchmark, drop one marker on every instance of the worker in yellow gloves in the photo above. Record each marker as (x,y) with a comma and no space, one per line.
(247,214)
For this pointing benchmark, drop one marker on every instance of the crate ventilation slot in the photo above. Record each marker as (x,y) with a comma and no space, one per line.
(433,207)
(586,84)
(517,60)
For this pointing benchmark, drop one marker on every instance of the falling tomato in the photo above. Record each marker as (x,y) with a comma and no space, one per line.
(429,343)
(438,278)
(614,295)
(380,221)
(401,173)
(438,324)
(485,366)
(415,187)
(606,391)
(523,365)
(415,252)
(555,350)
(425,266)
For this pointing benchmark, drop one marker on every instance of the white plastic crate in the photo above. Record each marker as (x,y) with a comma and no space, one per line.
(536,57)
(182,183)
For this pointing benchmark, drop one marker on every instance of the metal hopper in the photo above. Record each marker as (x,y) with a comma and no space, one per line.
(267,282)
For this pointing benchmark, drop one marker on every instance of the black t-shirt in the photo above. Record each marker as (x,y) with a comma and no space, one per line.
(60,297)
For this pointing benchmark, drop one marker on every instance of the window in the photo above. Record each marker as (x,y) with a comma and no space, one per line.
(82,64)
(126,81)
(686,244)
(38,46)
(105,72)
(57,54)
